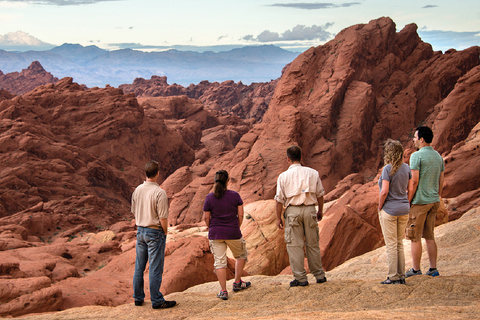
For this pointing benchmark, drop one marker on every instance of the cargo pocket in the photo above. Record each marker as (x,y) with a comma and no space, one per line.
(288,234)
(313,221)
(411,228)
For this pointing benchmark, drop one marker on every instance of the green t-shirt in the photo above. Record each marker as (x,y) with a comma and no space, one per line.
(429,164)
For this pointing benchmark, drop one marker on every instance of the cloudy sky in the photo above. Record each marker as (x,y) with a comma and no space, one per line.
(290,24)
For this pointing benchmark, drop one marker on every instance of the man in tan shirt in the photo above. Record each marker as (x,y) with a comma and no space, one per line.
(150,207)
(299,189)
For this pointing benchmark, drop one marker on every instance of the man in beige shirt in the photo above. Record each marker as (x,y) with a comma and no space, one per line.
(299,189)
(150,207)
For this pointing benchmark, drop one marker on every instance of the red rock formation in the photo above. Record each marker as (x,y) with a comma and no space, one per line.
(340,101)
(26,80)
(247,102)
(76,153)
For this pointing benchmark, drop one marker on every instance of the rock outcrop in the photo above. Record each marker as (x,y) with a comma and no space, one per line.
(245,101)
(28,79)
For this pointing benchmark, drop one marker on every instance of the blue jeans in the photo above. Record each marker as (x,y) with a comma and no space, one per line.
(150,247)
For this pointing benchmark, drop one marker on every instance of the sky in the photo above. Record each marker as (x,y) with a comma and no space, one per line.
(218,25)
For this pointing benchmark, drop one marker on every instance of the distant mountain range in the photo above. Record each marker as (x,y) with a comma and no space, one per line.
(94,66)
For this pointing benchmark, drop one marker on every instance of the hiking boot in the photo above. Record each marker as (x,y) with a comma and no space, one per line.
(323,280)
(166,304)
(432,272)
(237,286)
(223,294)
(139,303)
(296,283)
(412,272)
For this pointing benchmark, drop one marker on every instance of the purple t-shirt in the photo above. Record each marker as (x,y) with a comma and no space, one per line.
(224,216)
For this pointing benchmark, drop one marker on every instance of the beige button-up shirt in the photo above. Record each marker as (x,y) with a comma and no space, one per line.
(149,205)
(299,185)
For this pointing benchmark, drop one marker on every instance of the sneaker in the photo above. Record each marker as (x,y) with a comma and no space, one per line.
(323,280)
(237,286)
(164,305)
(432,272)
(401,281)
(223,294)
(388,281)
(139,303)
(296,283)
(412,272)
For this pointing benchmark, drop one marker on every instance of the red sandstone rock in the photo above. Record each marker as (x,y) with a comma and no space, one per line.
(265,242)
(248,102)
(28,79)
(340,101)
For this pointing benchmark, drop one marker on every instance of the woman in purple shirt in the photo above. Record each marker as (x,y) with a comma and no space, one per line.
(223,214)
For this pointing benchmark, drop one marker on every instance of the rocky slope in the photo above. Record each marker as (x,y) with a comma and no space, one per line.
(71,156)
(353,290)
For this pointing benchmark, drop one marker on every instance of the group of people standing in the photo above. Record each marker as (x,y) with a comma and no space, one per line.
(408,201)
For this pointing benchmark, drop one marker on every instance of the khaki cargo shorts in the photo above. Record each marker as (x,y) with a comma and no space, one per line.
(421,221)
(219,250)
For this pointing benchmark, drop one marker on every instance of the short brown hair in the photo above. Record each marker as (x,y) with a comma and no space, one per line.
(294,153)
(151,169)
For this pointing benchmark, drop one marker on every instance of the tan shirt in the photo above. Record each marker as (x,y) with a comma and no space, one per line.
(299,185)
(149,205)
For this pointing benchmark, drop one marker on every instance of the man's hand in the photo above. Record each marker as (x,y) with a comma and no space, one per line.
(279,211)
(279,223)
(320,208)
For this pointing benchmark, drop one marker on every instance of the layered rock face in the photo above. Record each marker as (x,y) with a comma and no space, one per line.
(70,158)
(245,101)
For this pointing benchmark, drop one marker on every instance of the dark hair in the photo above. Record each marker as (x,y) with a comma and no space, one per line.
(426,133)
(294,153)
(220,186)
(151,169)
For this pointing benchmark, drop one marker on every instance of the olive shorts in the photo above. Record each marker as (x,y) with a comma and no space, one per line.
(421,221)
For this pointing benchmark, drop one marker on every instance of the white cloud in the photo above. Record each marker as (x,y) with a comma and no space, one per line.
(315,5)
(52,2)
(298,33)
(444,40)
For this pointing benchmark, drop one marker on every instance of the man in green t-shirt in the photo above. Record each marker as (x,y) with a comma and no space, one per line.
(427,168)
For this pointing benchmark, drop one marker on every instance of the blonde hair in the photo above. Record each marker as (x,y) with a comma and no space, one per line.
(393,154)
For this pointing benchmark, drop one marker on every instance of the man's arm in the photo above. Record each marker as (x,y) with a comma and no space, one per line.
(414,184)
(320,209)
(440,184)
(164,224)
(279,210)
